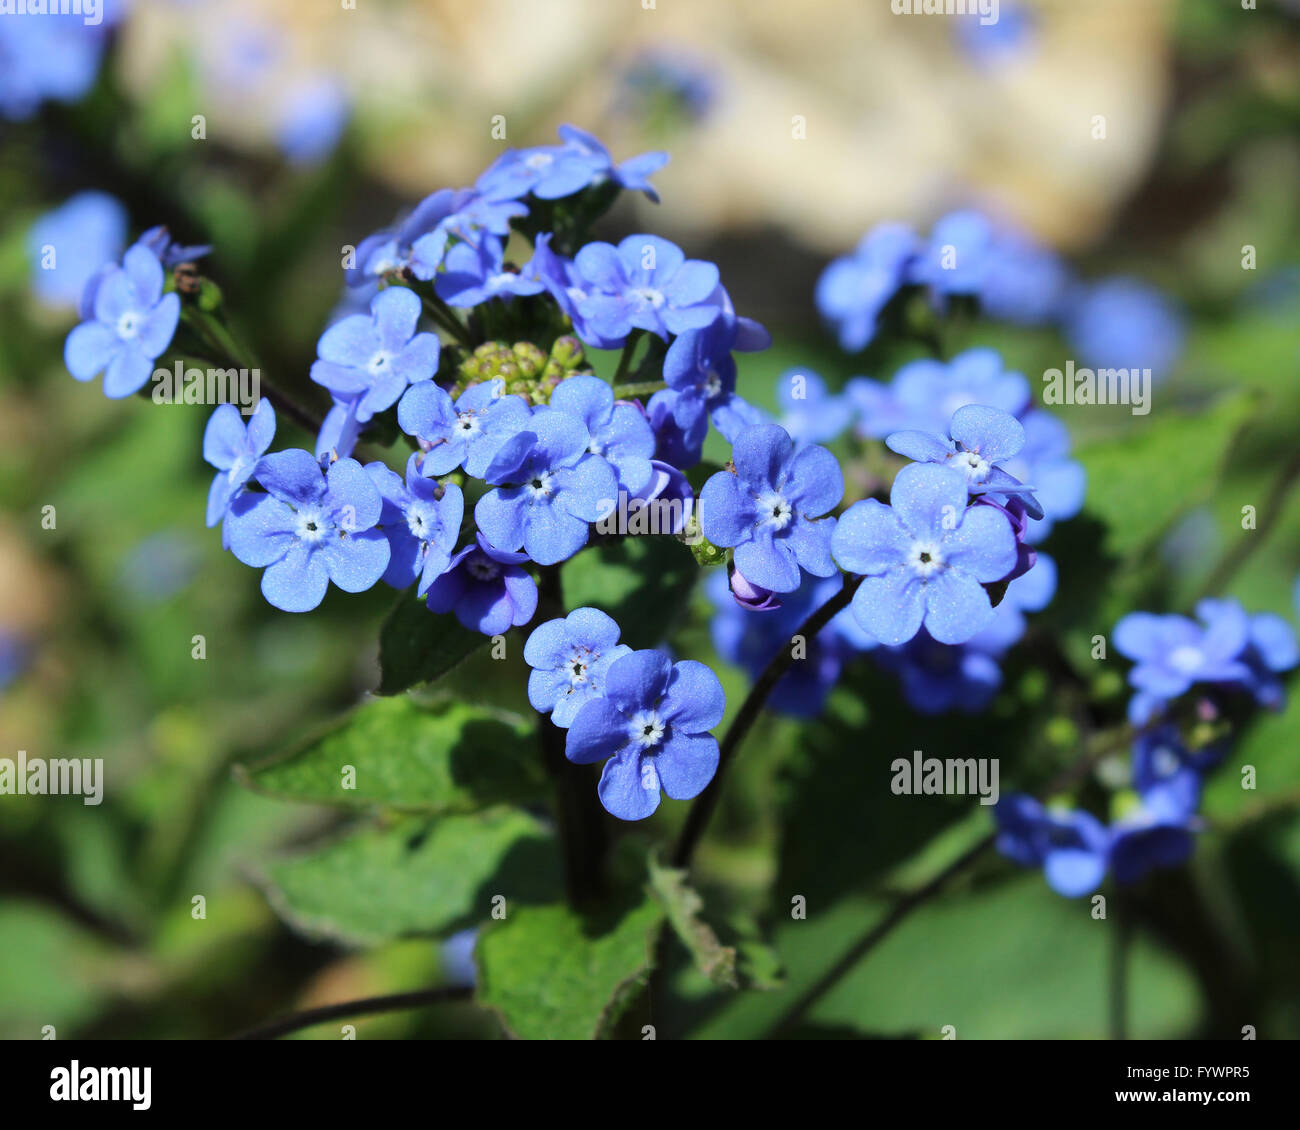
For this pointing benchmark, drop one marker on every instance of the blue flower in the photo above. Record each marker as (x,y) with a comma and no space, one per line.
(1024,282)
(311,118)
(570,658)
(619,431)
(924,557)
(486,588)
(549,487)
(133,323)
(421,520)
(467,433)
(83,234)
(472,275)
(1270,648)
(633,174)
(645,283)
(1125,324)
(158,239)
(1073,848)
(982,438)
(1172,653)
(809,411)
(652,725)
(372,359)
(1060,482)
(392,249)
(853,290)
(768,508)
(50,56)
(957,255)
(549,172)
(310,528)
(234,450)
(339,431)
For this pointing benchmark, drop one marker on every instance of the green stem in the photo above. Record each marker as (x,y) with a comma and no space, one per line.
(1121,938)
(445,318)
(638,388)
(625,359)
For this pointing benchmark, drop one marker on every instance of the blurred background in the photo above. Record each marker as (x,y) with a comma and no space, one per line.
(1148,142)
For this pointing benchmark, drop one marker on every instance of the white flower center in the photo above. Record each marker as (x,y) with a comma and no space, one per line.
(1165,762)
(713,384)
(311,525)
(128,325)
(422,520)
(467,425)
(972,464)
(646,729)
(925,558)
(1186,659)
(648,296)
(539,162)
(541,485)
(580,658)
(774,510)
(380,363)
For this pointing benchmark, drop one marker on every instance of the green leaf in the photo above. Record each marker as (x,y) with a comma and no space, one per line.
(418,646)
(1141,482)
(454,758)
(644,583)
(552,975)
(682,904)
(415,877)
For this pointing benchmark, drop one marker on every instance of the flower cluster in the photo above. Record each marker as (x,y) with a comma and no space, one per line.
(1115,322)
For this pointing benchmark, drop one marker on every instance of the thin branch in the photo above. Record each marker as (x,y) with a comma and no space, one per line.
(367,1006)
(697,820)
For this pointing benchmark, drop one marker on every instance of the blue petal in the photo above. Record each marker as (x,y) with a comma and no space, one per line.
(297,582)
(890,607)
(629,786)
(686,764)
(694,701)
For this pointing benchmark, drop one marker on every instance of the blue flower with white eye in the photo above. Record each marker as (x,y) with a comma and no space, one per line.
(925,557)
(81,235)
(652,725)
(769,509)
(924,394)
(619,431)
(1172,653)
(549,488)
(133,323)
(372,359)
(1072,848)
(854,289)
(308,529)
(487,588)
(570,658)
(466,433)
(234,450)
(645,283)
(421,520)
(472,275)
(981,439)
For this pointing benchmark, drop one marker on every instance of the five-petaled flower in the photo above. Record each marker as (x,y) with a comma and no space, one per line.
(924,557)
(570,658)
(420,519)
(309,528)
(768,509)
(133,323)
(549,489)
(619,430)
(487,588)
(372,358)
(466,433)
(652,725)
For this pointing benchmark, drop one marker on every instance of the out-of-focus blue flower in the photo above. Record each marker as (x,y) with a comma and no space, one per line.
(1060,482)
(234,450)
(311,119)
(651,730)
(133,323)
(69,244)
(1011,36)
(619,431)
(1072,848)
(671,78)
(372,359)
(771,508)
(549,487)
(1124,324)
(1270,648)
(309,529)
(981,439)
(158,239)
(750,639)
(160,566)
(392,249)
(472,275)
(50,57)
(925,557)
(809,411)
(549,172)
(467,433)
(457,957)
(1024,283)
(487,589)
(421,520)
(956,258)
(645,283)
(570,658)
(854,289)
(1172,653)
(13,656)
